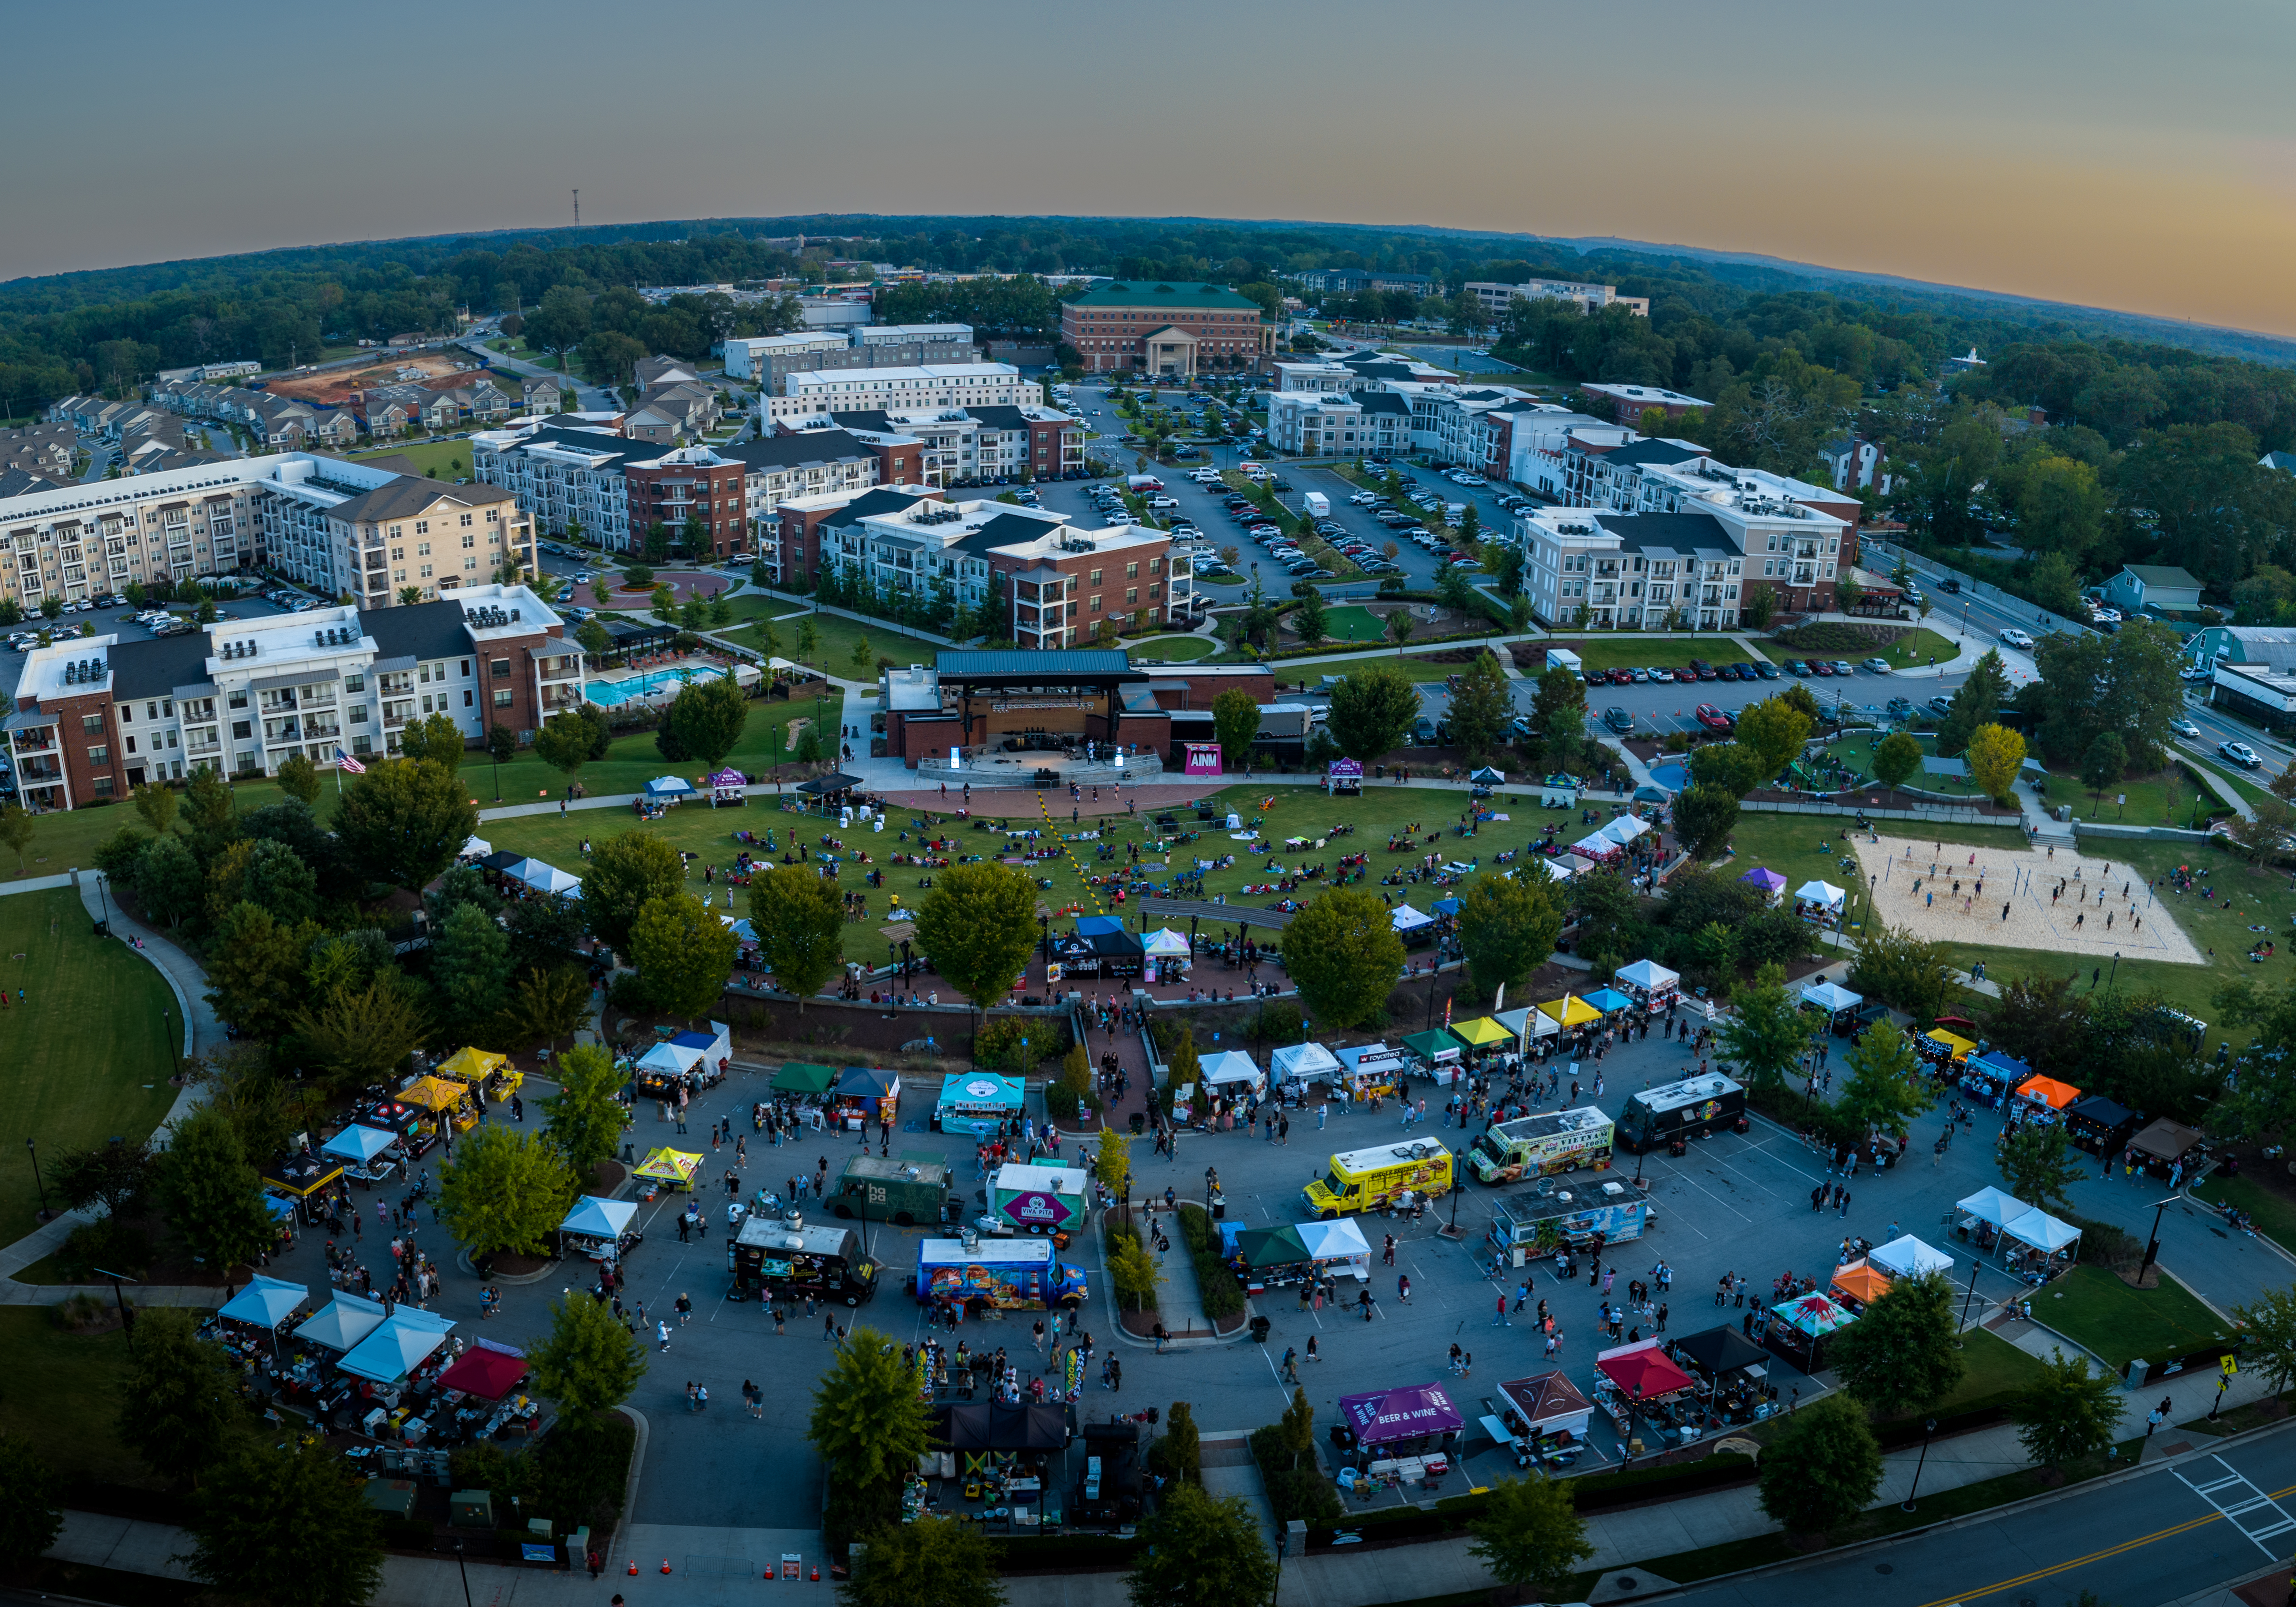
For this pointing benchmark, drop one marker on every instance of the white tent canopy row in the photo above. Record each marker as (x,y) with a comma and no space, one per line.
(545,878)
(266,1301)
(1906,1257)
(2026,1223)
(1831,997)
(1230,1066)
(1304,1062)
(1823,893)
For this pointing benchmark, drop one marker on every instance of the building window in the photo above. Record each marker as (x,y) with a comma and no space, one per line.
(90,724)
(98,755)
(502,698)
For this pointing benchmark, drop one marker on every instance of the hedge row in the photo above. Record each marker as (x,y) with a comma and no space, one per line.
(1215,1284)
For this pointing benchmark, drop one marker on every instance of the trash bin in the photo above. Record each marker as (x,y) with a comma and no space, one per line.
(1259,1326)
(1139,1123)
(1219,1210)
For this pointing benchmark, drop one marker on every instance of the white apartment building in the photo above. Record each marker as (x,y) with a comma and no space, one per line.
(1338,422)
(1442,415)
(768,360)
(95,717)
(1334,379)
(941,385)
(781,467)
(1495,297)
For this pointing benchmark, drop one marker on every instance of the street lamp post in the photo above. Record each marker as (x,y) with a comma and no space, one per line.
(126,1321)
(1928,1427)
(2152,1242)
(464,1572)
(38,1182)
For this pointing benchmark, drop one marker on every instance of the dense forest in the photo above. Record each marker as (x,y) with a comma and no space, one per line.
(2073,445)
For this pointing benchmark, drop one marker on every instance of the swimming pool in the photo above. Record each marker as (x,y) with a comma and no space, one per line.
(611,694)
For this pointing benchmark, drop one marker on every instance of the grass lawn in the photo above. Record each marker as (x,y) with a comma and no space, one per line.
(1919,647)
(1653,653)
(64,1395)
(834,641)
(1173,650)
(451,460)
(1354,623)
(2274,1215)
(2120,1324)
(91,1042)
(1996,1367)
(2166,798)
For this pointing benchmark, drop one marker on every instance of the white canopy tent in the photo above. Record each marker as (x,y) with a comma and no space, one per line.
(677,1060)
(1822,893)
(266,1302)
(1906,1257)
(1528,1023)
(1556,871)
(1596,845)
(546,878)
(1650,976)
(2042,1230)
(596,1219)
(477,848)
(342,1323)
(1831,997)
(1304,1062)
(1989,1204)
(1166,944)
(1625,828)
(403,1342)
(1408,919)
(669,786)
(1339,1244)
(1231,1066)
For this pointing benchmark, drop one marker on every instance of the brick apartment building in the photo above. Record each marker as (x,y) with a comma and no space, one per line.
(1166,329)
(692,483)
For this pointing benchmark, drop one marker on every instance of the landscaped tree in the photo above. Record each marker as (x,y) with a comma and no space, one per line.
(470,962)
(1994,756)
(2104,764)
(625,873)
(2269,1337)
(501,744)
(1821,1467)
(1898,968)
(1342,952)
(568,742)
(404,822)
(31,1511)
(157,805)
(1311,620)
(210,1192)
(683,954)
(114,1175)
(1372,711)
(869,1427)
(1508,926)
(1558,711)
(799,920)
(2038,1166)
(1897,759)
(928,1562)
(1732,767)
(288,1524)
(254,969)
(1203,1551)
(1976,702)
(546,1004)
(1704,817)
(2067,1413)
(507,1190)
(211,813)
(1887,1085)
(585,1119)
(707,718)
(361,1036)
(16,830)
(589,1363)
(1531,1537)
(299,778)
(262,871)
(1900,1355)
(179,1405)
(1775,729)
(977,925)
(1767,1031)
(435,737)
(1482,705)
(1235,722)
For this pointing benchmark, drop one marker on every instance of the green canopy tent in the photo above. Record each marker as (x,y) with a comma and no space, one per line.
(1435,1047)
(1262,1247)
(798,1078)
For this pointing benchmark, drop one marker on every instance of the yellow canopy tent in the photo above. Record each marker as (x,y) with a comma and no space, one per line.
(472,1065)
(1570,1011)
(1955,1045)
(671,1166)
(1482,1032)
(433,1093)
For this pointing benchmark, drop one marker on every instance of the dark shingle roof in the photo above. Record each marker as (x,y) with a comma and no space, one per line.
(155,668)
(1380,401)
(1664,452)
(803,450)
(1004,530)
(426,630)
(1163,294)
(883,500)
(1000,417)
(1683,532)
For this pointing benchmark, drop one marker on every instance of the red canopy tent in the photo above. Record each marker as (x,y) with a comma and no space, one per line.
(485,1372)
(1646,1373)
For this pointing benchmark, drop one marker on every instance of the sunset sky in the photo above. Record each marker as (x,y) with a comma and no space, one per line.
(2134,156)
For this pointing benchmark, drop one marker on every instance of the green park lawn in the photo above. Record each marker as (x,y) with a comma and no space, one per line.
(2120,1324)
(1993,1370)
(93,1043)
(2274,1215)
(834,641)
(64,1395)
(449,460)
(1354,623)
(1173,650)
(1918,647)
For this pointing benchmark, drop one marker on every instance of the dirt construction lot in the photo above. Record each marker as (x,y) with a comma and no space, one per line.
(2034,898)
(334,388)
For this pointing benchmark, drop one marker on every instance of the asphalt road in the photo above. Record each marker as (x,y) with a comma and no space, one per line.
(2165,1533)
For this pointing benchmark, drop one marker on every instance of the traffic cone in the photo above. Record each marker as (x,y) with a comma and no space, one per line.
(816,1573)
(633,1567)
(665,1565)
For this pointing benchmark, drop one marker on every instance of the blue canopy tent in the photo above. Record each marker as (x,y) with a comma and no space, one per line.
(1446,906)
(359,1144)
(403,1342)
(1606,999)
(266,1302)
(1094,926)
(669,786)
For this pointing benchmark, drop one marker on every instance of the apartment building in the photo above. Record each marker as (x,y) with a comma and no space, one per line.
(372,544)
(768,360)
(1349,282)
(39,448)
(93,718)
(1052,584)
(1342,423)
(569,480)
(784,468)
(1497,299)
(1629,402)
(1332,378)
(811,394)
(1166,329)
(690,491)
(1443,415)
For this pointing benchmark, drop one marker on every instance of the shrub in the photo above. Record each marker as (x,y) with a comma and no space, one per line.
(997,1045)
(629,993)
(1301,1492)
(581,1470)
(106,1242)
(1280,1023)
(1222,1294)
(2105,1246)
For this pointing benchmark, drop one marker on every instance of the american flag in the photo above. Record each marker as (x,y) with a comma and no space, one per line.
(348,763)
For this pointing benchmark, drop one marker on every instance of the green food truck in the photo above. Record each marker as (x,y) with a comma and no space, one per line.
(1543,1143)
(903,1190)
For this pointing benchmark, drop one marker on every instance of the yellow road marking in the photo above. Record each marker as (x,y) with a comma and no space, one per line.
(2095,1556)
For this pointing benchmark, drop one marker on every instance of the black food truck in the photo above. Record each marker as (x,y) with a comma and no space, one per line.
(1694,1108)
(777,1259)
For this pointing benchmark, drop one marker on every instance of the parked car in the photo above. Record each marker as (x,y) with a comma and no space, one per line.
(2185,729)
(1940,704)
(1766,670)
(1880,666)
(2239,753)
(1713,718)
(1901,708)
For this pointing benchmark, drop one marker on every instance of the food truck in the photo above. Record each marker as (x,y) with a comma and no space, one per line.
(779,1258)
(1539,1146)
(1697,1107)
(977,1103)
(1009,1274)
(1364,1180)
(1039,1199)
(1537,1223)
(903,1190)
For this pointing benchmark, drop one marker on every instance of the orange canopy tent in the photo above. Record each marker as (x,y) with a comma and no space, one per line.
(2048,1091)
(1862,1282)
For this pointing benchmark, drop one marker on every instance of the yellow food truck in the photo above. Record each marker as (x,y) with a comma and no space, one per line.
(1367,1179)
